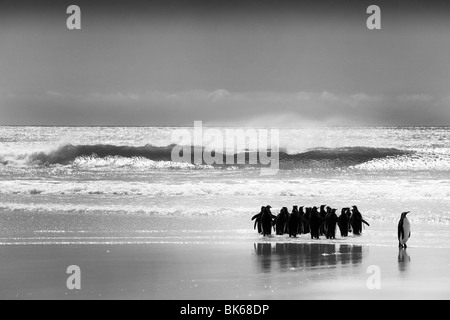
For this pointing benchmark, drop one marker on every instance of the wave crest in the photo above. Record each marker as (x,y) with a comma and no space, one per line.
(69,153)
(338,157)
(153,157)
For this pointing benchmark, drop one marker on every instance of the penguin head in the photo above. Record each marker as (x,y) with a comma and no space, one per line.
(404,214)
(355,210)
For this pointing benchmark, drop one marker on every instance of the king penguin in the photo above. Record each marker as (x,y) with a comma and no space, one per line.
(404,230)
(257,219)
(266,221)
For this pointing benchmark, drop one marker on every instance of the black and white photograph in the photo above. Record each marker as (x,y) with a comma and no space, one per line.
(224,150)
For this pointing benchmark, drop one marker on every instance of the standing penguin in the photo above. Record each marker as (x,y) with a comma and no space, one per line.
(349,216)
(301,215)
(257,219)
(357,221)
(306,220)
(331,221)
(314,223)
(280,222)
(293,224)
(266,221)
(343,222)
(404,230)
(322,214)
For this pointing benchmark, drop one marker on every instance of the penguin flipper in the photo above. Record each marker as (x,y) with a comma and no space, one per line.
(256,216)
(365,222)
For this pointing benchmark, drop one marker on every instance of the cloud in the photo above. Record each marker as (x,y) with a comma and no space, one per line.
(222,107)
(218,95)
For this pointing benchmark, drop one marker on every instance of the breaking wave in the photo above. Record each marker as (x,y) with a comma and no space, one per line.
(150,156)
(69,153)
(338,157)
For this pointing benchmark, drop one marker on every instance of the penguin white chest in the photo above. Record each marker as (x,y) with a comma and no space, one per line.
(406,231)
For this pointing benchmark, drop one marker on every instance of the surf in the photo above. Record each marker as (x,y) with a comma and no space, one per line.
(104,155)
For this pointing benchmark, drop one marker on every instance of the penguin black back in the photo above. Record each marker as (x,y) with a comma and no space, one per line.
(301,215)
(293,224)
(266,221)
(357,221)
(343,222)
(281,221)
(306,220)
(322,215)
(331,221)
(314,223)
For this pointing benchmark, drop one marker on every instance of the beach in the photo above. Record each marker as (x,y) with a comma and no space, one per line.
(223,263)
(207,272)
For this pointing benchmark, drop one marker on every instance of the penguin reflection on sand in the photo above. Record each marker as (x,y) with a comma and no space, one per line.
(403,259)
(404,230)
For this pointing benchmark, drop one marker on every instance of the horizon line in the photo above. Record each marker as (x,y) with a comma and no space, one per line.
(221,126)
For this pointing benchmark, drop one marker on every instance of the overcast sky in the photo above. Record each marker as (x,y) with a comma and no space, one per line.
(248,62)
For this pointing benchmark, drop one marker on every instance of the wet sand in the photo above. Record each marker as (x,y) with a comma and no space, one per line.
(225,271)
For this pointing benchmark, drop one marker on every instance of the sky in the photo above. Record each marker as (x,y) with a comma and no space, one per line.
(225,62)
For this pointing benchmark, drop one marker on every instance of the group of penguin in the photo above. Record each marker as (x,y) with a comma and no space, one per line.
(319,222)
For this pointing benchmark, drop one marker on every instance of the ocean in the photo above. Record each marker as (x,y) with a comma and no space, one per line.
(118,185)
